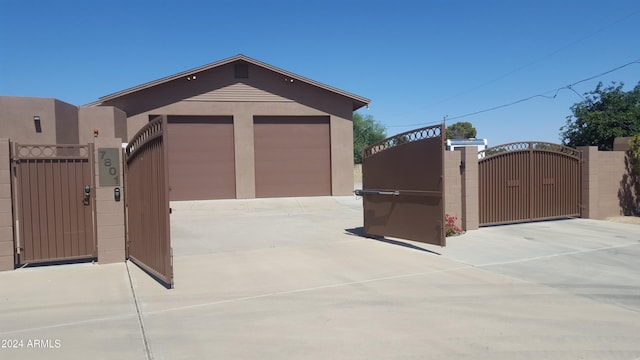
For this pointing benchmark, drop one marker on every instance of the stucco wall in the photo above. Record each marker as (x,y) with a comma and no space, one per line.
(60,122)
(109,220)
(16,117)
(264,93)
(66,119)
(109,121)
(341,156)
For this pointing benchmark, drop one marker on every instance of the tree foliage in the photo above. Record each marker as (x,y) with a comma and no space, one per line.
(494,150)
(634,149)
(461,130)
(606,113)
(366,131)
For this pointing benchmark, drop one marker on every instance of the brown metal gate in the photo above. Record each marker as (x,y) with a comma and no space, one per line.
(528,181)
(147,185)
(53,203)
(403,186)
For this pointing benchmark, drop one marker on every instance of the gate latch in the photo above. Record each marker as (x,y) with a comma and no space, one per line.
(87,194)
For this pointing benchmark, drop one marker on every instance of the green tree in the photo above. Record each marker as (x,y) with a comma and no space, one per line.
(461,130)
(606,113)
(494,150)
(634,150)
(366,131)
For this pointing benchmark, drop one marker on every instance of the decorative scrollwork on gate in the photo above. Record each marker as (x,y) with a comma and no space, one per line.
(403,138)
(529,146)
(52,151)
(152,130)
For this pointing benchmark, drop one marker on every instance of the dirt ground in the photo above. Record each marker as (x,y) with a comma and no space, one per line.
(625,219)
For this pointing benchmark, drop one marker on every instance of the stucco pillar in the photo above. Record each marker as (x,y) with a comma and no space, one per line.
(109,213)
(589,182)
(6,214)
(341,132)
(108,121)
(244,154)
(470,186)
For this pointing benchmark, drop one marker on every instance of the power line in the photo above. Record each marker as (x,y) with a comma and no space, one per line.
(543,95)
(601,29)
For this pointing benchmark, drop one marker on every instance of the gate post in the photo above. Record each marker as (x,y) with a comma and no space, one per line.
(109,211)
(470,195)
(589,203)
(7,260)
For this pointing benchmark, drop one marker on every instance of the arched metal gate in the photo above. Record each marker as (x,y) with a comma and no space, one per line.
(148,235)
(528,181)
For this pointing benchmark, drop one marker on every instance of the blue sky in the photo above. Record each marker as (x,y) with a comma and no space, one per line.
(416,60)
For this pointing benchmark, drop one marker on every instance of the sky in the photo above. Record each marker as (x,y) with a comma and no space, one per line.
(418,61)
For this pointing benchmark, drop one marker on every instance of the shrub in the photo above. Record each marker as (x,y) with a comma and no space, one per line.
(450,225)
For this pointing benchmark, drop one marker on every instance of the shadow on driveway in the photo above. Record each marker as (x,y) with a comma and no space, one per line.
(359,231)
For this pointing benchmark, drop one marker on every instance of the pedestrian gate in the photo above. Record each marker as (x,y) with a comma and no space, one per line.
(53,199)
(403,187)
(528,181)
(147,174)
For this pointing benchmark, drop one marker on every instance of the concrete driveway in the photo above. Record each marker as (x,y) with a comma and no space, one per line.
(290,278)
(599,260)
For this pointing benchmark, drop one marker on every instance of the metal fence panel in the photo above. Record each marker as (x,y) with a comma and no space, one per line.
(55,218)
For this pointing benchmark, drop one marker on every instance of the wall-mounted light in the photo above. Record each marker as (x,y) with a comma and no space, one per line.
(96,132)
(36,123)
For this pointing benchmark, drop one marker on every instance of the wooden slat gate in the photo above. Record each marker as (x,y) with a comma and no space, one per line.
(53,203)
(147,194)
(528,181)
(403,186)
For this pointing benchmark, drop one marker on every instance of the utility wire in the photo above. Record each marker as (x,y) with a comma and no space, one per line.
(601,29)
(543,95)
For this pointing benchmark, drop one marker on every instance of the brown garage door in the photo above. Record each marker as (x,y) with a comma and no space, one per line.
(201,158)
(292,156)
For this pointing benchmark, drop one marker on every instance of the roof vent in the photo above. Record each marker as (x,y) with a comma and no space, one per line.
(241,70)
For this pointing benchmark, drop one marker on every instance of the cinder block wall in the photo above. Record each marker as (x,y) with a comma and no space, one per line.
(6,215)
(611,174)
(461,186)
(470,186)
(609,186)
(453,185)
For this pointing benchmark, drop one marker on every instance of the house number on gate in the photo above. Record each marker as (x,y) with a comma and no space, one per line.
(109,166)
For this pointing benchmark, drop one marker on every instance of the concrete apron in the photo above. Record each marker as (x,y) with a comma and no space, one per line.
(286,278)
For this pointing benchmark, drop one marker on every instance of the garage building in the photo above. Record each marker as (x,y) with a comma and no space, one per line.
(240,128)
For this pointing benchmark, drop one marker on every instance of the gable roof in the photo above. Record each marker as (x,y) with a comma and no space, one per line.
(358,101)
